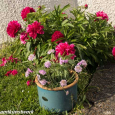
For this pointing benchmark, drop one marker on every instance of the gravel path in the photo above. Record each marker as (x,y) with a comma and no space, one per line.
(103,96)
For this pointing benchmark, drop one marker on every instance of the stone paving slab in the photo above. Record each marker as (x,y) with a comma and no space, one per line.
(103,96)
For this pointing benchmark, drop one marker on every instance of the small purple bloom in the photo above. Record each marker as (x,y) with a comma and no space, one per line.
(51,51)
(78,68)
(63,83)
(67,92)
(63,61)
(43,82)
(38,76)
(82,63)
(31,57)
(42,72)
(28,72)
(47,64)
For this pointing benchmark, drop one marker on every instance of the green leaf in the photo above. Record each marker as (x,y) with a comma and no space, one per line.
(65,7)
(64,22)
(28,46)
(69,24)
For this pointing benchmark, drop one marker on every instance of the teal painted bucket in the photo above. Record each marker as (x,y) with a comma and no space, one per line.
(58,99)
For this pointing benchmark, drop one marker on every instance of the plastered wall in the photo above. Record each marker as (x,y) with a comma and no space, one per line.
(11,10)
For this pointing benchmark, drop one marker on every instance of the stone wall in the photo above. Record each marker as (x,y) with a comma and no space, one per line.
(11,10)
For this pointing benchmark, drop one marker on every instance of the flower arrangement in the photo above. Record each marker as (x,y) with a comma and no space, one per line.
(53,44)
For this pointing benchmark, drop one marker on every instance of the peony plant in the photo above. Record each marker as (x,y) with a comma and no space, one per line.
(55,40)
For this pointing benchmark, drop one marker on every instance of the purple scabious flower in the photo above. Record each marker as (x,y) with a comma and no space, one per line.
(63,61)
(82,63)
(78,68)
(42,72)
(67,92)
(43,81)
(38,76)
(31,57)
(63,83)
(28,72)
(47,64)
(51,51)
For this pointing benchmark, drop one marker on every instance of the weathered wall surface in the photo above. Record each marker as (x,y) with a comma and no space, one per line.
(108,6)
(11,10)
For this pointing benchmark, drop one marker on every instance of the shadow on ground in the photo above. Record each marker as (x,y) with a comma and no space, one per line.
(103,94)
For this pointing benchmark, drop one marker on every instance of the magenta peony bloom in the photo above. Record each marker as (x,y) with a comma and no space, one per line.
(23,37)
(34,29)
(14,72)
(102,15)
(43,81)
(86,6)
(63,61)
(56,35)
(51,51)
(25,11)
(31,57)
(78,68)
(12,28)
(4,61)
(28,82)
(63,83)
(8,73)
(82,63)
(65,49)
(113,52)
(47,64)
(42,72)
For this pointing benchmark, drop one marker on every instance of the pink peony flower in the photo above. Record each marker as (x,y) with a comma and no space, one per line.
(34,29)
(14,72)
(63,83)
(65,49)
(8,73)
(82,63)
(13,59)
(25,11)
(23,37)
(28,82)
(86,6)
(78,68)
(47,64)
(43,82)
(42,72)
(102,15)
(13,28)
(113,52)
(4,61)
(31,57)
(51,51)
(39,7)
(56,35)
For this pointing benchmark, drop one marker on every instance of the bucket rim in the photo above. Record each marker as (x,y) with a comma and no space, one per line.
(58,88)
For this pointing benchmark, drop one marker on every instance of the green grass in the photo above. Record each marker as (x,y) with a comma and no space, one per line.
(15,95)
